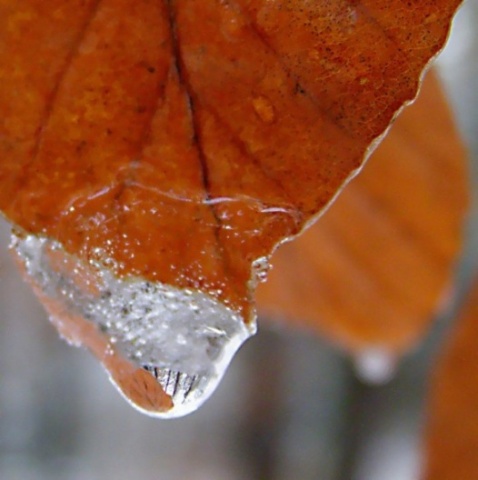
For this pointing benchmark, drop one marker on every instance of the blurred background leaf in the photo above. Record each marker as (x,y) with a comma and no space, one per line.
(452,406)
(373,271)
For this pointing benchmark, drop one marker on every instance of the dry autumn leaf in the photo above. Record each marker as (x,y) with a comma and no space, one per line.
(167,147)
(452,429)
(371,273)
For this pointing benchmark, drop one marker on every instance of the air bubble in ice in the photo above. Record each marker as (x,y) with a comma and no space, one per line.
(260,269)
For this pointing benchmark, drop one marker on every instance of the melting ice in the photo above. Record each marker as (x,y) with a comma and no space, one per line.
(183,338)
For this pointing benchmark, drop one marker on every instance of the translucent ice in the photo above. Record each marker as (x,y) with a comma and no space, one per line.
(184,339)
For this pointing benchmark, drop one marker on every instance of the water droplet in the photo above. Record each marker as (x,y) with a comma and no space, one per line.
(375,366)
(183,339)
(264,109)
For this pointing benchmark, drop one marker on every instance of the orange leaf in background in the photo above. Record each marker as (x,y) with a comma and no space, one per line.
(452,429)
(371,273)
(175,143)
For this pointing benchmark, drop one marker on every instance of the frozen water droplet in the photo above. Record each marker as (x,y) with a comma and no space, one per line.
(375,366)
(183,339)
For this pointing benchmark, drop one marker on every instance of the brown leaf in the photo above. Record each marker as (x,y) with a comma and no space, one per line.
(452,429)
(208,130)
(177,142)
(372,271)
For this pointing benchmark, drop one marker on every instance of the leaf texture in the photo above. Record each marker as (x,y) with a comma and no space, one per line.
(182,139)
(372,272)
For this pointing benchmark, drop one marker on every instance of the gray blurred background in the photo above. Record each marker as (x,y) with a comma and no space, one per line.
(290,406)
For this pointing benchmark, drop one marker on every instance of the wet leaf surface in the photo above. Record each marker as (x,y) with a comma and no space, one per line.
(372,272)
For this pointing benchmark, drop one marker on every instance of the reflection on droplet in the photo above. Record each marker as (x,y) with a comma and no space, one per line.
(375,366)
(181,387)
(183,339)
